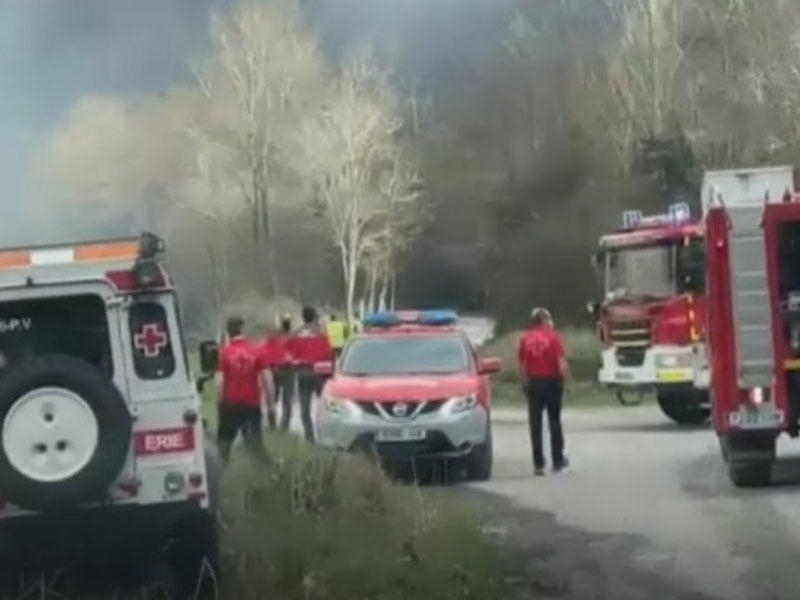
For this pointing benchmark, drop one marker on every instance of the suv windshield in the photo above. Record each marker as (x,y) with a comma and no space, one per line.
(641,272)
(406,355)
(71,325)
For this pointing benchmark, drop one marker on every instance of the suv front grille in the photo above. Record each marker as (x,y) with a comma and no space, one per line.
(385,409)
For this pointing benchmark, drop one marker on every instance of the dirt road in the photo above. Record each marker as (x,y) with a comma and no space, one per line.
(645,511)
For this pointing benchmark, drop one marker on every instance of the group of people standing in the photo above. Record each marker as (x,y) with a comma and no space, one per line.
(256,374)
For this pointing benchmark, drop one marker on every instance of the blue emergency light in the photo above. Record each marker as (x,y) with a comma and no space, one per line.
(680,212)
(422,317)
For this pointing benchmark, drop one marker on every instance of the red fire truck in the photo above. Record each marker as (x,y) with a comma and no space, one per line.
(652,318)
(753,246)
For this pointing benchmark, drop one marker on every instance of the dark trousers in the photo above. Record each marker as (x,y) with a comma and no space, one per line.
(284,393)
(545,395)
(308,384)
(235,419)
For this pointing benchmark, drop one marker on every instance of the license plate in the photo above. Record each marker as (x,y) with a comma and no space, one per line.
(761,418)
(623,376)
(674,375)
(400,434)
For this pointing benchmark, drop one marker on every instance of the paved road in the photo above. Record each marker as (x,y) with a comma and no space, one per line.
(636,473)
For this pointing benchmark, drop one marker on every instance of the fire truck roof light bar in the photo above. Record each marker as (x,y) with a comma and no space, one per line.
(679,212)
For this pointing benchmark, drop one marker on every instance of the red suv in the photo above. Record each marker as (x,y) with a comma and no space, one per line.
(411,388)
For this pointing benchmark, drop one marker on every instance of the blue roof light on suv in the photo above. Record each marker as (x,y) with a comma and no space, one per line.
(424,317)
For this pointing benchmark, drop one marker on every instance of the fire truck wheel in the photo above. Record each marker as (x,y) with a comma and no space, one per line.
(751,474)
(64,433)
(683,408)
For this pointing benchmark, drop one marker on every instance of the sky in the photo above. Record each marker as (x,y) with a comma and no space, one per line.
(54,51)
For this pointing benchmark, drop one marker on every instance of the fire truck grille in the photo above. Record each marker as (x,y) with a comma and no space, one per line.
(631,341)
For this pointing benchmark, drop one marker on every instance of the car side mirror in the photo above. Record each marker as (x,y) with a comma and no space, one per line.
(209,357)
(595,258)
(324,369)
(489,366)
(592,307)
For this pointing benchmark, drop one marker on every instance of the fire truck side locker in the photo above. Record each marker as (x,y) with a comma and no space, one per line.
(747,413)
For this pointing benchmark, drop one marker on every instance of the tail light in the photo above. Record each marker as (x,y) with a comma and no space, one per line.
(195,480)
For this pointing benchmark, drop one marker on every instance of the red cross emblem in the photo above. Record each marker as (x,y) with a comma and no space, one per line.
(538,346)
(151,340)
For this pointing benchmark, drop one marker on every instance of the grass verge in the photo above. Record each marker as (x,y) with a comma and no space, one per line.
(325,526)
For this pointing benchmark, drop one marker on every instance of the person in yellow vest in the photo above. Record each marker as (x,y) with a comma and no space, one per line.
(337,331)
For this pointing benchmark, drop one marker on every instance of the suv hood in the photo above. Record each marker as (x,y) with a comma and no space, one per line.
(409,388)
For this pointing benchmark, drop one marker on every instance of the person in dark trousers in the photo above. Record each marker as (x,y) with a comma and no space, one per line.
(241,392)
(543,369)
(309,345)
(283,373)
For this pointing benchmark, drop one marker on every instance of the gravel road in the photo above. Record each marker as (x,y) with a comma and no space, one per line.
(645,511)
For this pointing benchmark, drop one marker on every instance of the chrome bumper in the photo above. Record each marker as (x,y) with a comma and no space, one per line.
(446,435)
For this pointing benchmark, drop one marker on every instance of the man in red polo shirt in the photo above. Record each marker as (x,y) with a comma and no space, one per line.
(543,369)
(309,345)
(241,391)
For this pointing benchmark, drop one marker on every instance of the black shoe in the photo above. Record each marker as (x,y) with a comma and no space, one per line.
(560,466)
(538,471)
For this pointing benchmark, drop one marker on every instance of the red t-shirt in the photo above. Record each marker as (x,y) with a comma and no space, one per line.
(309,345)
(277,348)
(540,352)
(241,363)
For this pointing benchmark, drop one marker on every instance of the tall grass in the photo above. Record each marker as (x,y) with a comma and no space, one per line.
(324,526)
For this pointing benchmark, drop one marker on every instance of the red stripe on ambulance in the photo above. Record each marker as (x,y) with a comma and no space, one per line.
(164,441)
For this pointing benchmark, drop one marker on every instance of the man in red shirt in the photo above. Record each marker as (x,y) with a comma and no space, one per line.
(241,391)
(309,345)
(543,368)
(283,370)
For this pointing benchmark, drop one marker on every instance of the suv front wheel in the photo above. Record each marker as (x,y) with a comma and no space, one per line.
(479,462)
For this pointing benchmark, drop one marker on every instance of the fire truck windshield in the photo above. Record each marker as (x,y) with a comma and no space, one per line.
(640,272)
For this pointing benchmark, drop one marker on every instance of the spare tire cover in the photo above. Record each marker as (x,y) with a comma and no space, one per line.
(64,433)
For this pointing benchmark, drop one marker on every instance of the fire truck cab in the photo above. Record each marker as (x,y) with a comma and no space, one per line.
(651,320)
(753,245)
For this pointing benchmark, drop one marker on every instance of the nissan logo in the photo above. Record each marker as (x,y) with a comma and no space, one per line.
(400,409)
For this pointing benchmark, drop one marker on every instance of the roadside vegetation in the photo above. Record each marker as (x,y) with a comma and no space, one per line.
(321,525)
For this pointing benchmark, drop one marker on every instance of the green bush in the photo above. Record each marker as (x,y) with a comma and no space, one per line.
(319,525)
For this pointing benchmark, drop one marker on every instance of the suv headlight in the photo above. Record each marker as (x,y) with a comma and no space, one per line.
(462,404)
(337,406)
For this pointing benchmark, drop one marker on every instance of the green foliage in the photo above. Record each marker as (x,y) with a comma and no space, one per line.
(318,525)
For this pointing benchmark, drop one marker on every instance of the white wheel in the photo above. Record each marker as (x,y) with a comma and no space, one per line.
(50,434)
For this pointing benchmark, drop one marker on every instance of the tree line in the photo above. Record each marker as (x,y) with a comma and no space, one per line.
(467,157)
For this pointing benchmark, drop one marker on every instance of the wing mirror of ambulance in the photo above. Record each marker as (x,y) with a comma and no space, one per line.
(592,307)
(489,365)
(324,368)
(209,359)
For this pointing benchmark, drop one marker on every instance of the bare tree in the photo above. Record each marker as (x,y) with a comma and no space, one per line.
(352,159)
(261,79)
(644,73)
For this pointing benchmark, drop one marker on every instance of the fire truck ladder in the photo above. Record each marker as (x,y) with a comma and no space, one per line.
(751,304)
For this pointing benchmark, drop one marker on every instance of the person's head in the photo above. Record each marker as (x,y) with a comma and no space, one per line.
(286,323)
(309,315)
(234,326)
(541,316)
